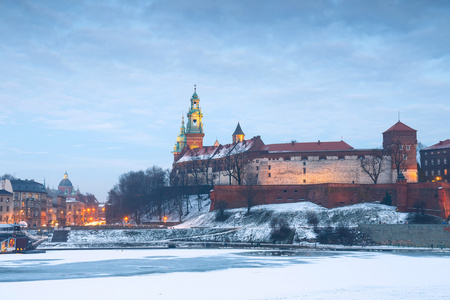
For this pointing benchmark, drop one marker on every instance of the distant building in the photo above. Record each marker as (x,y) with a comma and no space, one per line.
(6,207)
(75,211)
(287,163)
(29,201)
(65,186)
(435,162)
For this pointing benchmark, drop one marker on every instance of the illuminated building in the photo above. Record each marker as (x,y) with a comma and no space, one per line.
(435,162)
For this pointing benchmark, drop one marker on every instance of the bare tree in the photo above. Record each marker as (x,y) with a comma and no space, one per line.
(398,156)
(372,164)
(238,167)
(249,189)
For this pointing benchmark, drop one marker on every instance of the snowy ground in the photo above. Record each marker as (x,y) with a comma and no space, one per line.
(224,274)
(202,226)
(296,215)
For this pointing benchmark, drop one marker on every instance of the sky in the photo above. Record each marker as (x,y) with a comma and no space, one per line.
(98,88)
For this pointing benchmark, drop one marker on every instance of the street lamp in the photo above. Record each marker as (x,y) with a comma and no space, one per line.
(165,219)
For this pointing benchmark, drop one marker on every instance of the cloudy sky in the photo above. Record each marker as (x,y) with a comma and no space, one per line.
(98,88)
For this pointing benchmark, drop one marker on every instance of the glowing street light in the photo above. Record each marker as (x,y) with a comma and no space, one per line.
(165,219)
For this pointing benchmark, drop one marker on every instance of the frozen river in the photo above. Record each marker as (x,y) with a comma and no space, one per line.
(224,274)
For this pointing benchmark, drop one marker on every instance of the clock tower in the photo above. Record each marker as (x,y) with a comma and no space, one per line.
(194,126)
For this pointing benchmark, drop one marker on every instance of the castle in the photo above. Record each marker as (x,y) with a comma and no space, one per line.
(330,174)
(290,163)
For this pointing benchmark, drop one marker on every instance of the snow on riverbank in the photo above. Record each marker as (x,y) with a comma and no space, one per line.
(297,215)
(236,226)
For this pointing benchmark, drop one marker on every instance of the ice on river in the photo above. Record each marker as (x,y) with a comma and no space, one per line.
(224,274)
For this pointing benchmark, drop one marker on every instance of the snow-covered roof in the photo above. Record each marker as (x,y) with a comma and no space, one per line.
(215,152)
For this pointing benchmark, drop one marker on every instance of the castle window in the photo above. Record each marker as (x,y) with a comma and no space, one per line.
(304,163)
(195,122)
(270,175)
(257,168)
(257,161)
(400,147)
(304,180)
(7,208)
(408,147)
(304,170)
(269,167)
(284,191)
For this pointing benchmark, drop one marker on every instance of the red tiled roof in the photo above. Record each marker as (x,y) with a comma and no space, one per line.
(305,147)
(440,145)
(399,126)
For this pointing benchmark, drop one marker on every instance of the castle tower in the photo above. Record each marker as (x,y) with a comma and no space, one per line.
(194,128)
(401,140)
(238,134)
(181,141)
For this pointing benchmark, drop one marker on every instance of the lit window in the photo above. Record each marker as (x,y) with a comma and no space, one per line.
(445,173)
(445,161)
(432,172)
(439,172)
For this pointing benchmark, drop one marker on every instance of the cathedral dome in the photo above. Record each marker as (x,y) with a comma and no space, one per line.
(65,182)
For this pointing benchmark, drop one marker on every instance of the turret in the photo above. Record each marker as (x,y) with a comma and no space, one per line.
(238,134)
(181,141)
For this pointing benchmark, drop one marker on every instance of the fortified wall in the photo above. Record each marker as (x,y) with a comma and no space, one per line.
(431,198)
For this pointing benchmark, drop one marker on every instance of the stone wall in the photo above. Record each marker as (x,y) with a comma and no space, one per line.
(408,234)
(315,169)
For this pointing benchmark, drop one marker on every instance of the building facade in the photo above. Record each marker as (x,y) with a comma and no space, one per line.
(435,162)
(6,207)
(29,201)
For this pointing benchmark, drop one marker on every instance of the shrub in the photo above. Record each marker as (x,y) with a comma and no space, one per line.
(281,231)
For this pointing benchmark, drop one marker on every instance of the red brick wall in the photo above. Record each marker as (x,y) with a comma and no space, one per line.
(418,195)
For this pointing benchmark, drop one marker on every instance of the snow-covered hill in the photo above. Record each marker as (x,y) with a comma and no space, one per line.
(236,225)
(297,215)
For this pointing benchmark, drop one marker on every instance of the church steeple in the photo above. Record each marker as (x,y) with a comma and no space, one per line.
(194,127)
(181,141)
